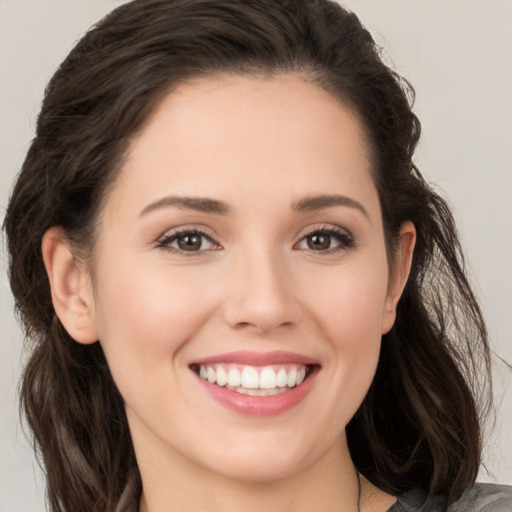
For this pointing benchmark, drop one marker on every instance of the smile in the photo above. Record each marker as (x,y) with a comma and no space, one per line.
(257,384)
(253,380)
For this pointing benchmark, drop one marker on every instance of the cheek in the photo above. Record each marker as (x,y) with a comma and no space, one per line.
(354,329)
(145,317)
(351,303)
(350,316)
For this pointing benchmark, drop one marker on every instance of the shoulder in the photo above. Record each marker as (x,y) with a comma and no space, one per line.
(478,498)
(484,498)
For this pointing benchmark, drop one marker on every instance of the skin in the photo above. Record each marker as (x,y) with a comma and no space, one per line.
(260,146)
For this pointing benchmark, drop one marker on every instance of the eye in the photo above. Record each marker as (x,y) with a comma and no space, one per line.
(326,240)
(188,241)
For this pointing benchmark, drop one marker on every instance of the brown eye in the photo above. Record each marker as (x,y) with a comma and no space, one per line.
(191,242)
(188,241)
(326,241)
(319,241)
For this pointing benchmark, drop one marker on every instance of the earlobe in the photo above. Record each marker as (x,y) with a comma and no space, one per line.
(399,273)
(70,286)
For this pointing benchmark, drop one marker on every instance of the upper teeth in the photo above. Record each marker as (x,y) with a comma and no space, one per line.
(252,377)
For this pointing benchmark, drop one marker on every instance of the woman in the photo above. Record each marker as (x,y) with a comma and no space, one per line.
(241,291)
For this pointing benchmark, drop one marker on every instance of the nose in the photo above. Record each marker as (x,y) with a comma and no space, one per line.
(262,295)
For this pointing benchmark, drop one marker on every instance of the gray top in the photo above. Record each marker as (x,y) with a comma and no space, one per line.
(479,498)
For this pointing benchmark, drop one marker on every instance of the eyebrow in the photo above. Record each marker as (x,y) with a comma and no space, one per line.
(327,201)
(207,205)
(199,204)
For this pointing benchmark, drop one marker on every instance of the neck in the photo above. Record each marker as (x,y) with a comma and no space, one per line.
(330,483)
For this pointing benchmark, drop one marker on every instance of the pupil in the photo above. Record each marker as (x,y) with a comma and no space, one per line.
(189,242)
(319,242)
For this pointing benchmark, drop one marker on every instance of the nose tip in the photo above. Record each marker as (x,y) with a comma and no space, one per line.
(262,300)
(260,320)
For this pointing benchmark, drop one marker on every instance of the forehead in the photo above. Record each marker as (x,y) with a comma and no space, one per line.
(246,134)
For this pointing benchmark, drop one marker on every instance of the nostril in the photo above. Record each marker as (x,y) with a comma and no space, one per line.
(261,327)
(243,325)
(261,310)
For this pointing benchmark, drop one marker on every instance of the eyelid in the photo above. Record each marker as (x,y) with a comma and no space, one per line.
(164,240)
(329,229)
(345,237)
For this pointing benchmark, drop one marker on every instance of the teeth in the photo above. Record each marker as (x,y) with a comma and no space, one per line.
(250,378)
(281,378)
(267,378)
(222,377)
(254,381)
(233,377)
(211,374)
(291,380)
(258,392)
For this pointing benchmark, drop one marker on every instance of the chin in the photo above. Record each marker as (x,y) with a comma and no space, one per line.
(260,469)
(263,458)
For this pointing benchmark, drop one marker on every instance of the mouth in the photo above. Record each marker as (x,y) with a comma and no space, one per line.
(250,380)
(257,384)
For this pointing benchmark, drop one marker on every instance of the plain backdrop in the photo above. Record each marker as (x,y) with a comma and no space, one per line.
(458,56)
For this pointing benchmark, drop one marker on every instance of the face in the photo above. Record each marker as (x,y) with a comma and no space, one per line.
(240,285)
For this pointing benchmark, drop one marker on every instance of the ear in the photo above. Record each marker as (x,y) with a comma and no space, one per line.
(399,273)
(71,287)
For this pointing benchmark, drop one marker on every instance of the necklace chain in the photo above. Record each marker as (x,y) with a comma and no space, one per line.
(358,491)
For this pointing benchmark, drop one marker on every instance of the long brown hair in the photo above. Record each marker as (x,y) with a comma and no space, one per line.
(419,423)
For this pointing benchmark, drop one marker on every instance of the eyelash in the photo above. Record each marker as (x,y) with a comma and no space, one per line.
(166,241)
(345,240)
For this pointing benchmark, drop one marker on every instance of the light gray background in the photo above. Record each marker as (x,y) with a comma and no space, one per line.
(457,54)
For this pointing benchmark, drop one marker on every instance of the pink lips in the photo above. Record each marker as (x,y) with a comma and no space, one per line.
(257,358)
(259,406)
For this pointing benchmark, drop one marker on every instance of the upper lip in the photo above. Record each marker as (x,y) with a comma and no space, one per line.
(251,358)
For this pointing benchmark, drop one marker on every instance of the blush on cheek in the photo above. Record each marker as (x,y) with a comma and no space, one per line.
(153,311)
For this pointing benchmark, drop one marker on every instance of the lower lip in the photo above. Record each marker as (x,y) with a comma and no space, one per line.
(261,406)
